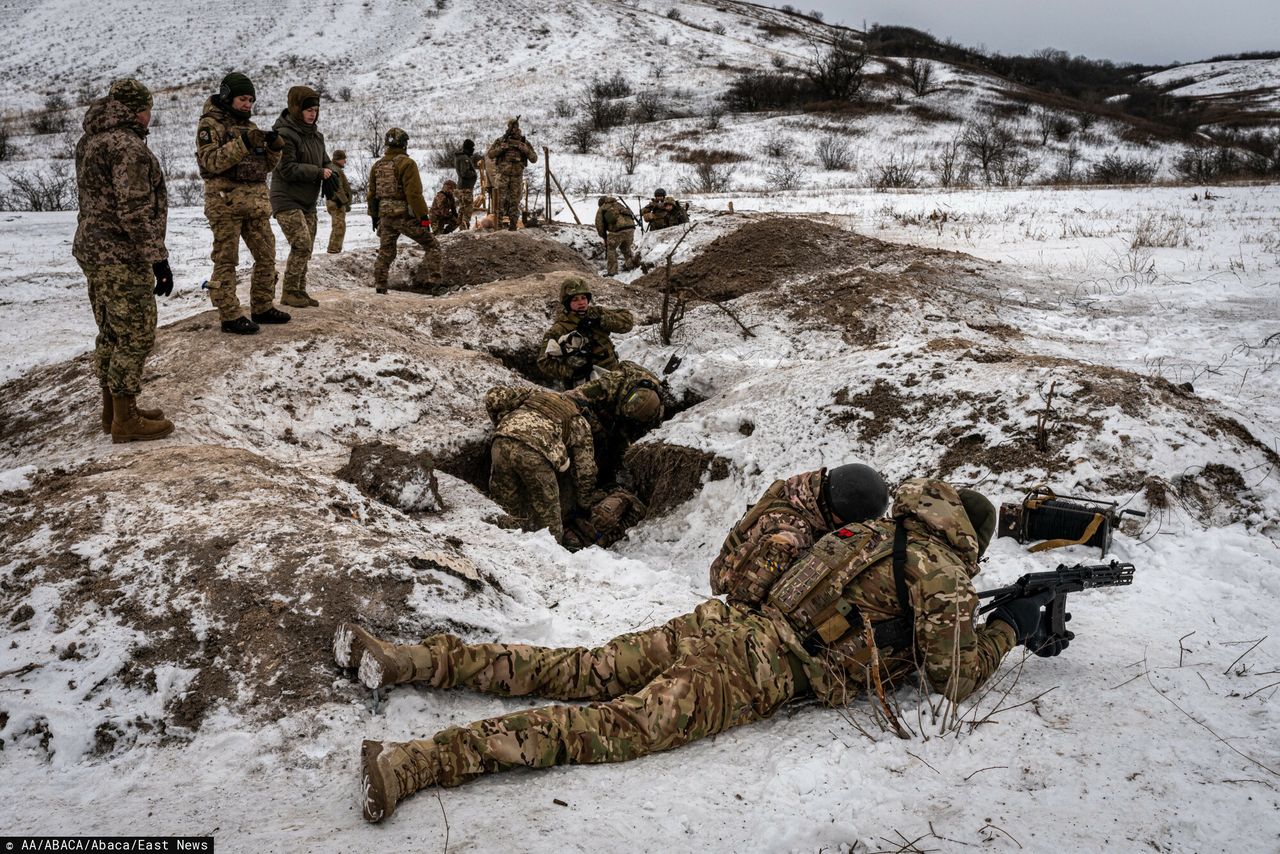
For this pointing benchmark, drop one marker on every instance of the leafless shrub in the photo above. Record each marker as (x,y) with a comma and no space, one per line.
(834,152)
(919,73)
(650,105)
(816,14)
(441,154)
(778,61)
(988,141)
(1117,169)
(49,188)
(6,147)
(718,29)
(949,166)
(776,145)
(1160,230)
(836,74)
(615,86)
(898,172)
(784,174)
(564,108)
(713,117)
(581,135)
(1014,169)
(1204,165)
(630,145)
(603,112)
(1067,166)
(1086,121)
(53,118)
(344,93)
(614,184)
(374,124)
(707,176)
(185,192)
(674,14)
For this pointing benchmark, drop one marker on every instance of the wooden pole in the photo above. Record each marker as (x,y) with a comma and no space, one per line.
(546,163)
(563,196)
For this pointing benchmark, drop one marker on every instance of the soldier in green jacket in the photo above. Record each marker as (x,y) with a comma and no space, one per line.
(578,341)
(719,667)
(296,183)
(397,207)
(338,202)
(616,225)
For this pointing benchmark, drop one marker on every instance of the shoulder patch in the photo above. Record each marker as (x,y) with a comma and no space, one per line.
(844,533)
(204,137)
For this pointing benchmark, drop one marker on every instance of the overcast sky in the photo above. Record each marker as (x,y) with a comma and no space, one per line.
(1148,31)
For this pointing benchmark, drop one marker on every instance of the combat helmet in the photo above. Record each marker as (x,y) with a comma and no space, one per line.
(855,493)
(572,287)
(641,404)
(659,193)
(396,138)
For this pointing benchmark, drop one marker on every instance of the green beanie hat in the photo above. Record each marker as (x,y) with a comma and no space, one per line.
(234,85)
(131,93)
(982,515)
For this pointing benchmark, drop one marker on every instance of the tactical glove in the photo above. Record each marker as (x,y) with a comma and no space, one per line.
(609,512)
(587,323)
(252,139)
(375,224)
(164,278)
(329,187)
(578,363)
(1023,615)
(272,138)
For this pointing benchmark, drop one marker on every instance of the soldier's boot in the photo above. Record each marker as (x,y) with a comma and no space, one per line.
(297,299)
(271,315)
(108,411)
(240,326)
(312,302)
(127,425)
(392,771)
(378,663)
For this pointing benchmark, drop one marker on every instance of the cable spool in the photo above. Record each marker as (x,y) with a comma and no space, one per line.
(1060,521)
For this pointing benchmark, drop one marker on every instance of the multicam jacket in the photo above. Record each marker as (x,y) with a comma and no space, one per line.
(557,364)
(663,214)
(550,424)
(510,153)
(444,212)
(836,595)
(784,524)
(226,164)
(123,203)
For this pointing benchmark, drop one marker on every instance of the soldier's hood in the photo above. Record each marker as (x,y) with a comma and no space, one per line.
(109,114)
(936,507)
(212,108)
(286,120)
(804,492)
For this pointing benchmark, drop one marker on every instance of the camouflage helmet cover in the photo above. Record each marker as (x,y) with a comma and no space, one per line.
(396,138)
(131,93)
(572,287)
(641,404)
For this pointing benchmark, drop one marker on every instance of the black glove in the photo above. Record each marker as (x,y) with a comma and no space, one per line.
(164,278)
(246,136)
(271,138)
(1023,615)
(329,186)
(375,225)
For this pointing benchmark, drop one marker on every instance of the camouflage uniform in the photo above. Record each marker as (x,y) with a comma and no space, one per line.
(663,213)
(784,524)
(616,226)
(338,205)
(722,665)
(296,183)
(237,206)
(444,210)
(595,347)
(119,235)
(543,458)
(510,153)
(600,401)
(397,206)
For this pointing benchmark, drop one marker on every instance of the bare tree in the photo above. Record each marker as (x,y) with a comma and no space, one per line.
(375,123)
(836,74)
(581,135)
(651,105)
(948,166)
(630,144)
(920,76)
(988,141)
(708,176)
(899,171)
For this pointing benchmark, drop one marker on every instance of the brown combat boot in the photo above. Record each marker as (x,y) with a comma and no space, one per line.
(297,299)
(392,771)
(108,411)
(379,663)
(129,425)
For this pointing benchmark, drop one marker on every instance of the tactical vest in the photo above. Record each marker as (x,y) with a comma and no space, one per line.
(386,182)
(555,408)
(748,580)
(511,154)
(251,169)
(617,218)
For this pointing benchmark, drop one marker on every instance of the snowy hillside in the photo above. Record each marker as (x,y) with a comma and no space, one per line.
(1254,82)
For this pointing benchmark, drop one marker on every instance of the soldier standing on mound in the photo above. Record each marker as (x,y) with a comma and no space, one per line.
(510,153)
(397,207)
(119,245)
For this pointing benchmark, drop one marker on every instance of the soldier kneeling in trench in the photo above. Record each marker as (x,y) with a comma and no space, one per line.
(895,596)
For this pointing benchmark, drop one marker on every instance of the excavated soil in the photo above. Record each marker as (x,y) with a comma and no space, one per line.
(667,475)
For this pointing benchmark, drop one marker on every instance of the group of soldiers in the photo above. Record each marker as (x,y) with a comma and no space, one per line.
(824,595)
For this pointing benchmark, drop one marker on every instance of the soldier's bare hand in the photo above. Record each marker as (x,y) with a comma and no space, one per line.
(328,173)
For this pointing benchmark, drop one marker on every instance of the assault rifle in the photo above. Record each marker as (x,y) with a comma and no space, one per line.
(1063,580)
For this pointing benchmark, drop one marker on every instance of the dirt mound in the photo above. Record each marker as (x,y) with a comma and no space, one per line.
(169,545)
(765,253)
(395,477)
(666,475)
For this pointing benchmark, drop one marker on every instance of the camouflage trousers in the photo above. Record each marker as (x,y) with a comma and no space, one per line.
(466,201)
(623,241)
(338,225)
(124,306)
(695,676)
(228,230)
(525,485)
(430,271)
(508,193)
(299,229)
